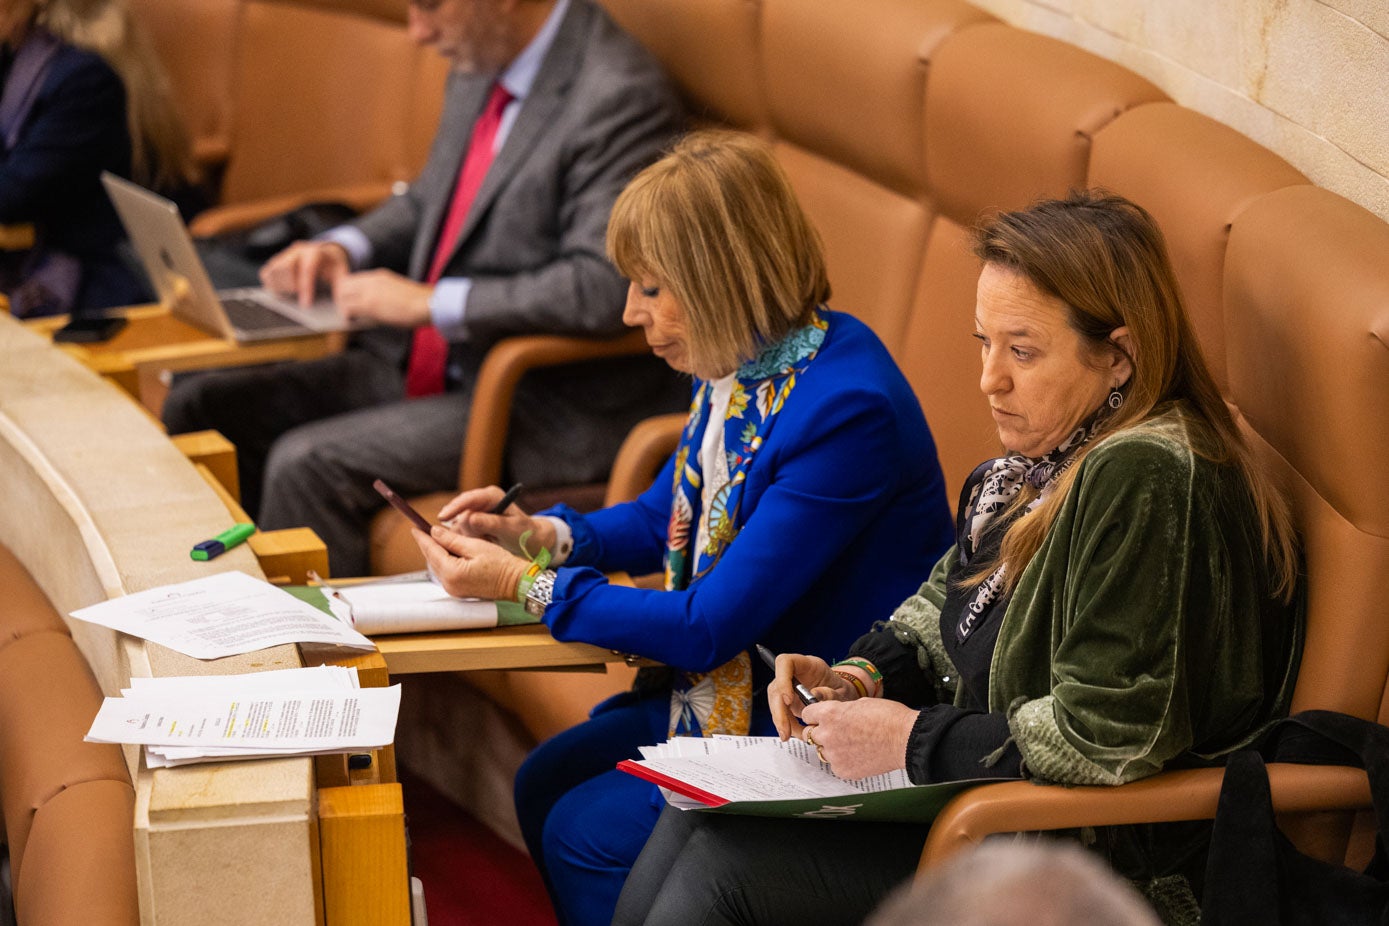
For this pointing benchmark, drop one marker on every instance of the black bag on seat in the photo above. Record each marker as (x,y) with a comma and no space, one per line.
(1254,874)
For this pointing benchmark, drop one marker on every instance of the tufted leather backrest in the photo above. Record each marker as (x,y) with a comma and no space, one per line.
(996,138)
(1194,175)
(293,96)
(1306,292)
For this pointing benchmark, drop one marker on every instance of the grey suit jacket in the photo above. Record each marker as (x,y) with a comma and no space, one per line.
(600,109)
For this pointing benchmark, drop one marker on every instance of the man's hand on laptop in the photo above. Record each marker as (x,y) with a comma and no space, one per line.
(299,268)
(384,297)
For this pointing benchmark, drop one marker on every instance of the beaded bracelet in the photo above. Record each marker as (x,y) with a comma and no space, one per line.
(868,669)
(539,563)
(854,680)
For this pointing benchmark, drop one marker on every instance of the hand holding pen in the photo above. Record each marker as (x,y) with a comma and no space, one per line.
(493,515)
(802,692)
(800,681)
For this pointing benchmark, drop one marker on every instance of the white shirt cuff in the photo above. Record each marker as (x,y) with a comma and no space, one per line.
(448,306)
(358,247)
(564,540)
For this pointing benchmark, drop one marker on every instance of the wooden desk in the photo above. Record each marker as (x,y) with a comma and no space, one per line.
(155,344)
(528,646)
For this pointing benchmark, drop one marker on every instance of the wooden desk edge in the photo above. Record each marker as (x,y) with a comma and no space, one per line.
(523,647)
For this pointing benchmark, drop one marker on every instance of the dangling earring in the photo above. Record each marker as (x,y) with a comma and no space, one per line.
(1115,401)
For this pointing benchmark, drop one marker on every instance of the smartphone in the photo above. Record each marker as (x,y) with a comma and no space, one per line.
(90,330)
(401,505)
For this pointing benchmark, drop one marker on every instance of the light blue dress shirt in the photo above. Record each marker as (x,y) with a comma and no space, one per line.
(448,304)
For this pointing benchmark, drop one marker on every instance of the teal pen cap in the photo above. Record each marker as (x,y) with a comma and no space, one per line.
(223,542)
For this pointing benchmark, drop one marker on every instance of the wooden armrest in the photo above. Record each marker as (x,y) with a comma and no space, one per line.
(1188,794)
(17,237)
(212,152)
(642,455)
(237,216)
(490,417)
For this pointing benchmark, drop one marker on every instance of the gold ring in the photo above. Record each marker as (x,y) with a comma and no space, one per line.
(820,751)
(810,739)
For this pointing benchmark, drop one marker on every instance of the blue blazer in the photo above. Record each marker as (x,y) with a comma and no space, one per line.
(843,514)
(51,176)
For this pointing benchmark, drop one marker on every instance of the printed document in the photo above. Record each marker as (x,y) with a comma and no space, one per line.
(220,615)
(182,719)
(763,776)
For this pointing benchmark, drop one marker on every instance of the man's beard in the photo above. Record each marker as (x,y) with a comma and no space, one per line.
(486,46)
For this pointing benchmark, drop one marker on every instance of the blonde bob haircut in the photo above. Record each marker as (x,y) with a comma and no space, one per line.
(1105,259)
(716,224)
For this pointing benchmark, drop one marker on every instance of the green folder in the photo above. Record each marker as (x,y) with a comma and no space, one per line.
(917,804)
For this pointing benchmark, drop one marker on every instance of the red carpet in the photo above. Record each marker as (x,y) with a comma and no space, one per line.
(471,877)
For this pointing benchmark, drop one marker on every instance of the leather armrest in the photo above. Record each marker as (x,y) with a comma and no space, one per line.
(236,216)
(1188,794)
(212,153)
(642,455)
(490,417)
(17,237)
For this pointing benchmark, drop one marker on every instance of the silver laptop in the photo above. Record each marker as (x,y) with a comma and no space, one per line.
(166,249)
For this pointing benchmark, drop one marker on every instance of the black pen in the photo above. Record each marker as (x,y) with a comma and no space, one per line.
(801,691)
(506,500)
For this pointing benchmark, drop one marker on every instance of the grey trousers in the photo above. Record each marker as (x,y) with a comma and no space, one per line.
(701,869)
(312,436)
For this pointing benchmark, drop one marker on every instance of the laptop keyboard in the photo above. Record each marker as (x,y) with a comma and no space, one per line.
(249,315)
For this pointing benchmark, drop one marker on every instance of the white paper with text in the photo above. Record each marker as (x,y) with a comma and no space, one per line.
(221,615)
(316,720)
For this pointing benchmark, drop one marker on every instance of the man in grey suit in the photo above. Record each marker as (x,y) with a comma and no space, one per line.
(550,109)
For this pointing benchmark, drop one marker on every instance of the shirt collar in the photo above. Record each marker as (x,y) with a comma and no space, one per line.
(519,76)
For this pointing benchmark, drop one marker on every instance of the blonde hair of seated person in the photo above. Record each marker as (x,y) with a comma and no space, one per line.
(1006,883)
(717,222)
(160,153)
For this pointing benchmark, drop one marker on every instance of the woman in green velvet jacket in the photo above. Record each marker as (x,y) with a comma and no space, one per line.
(1121,597)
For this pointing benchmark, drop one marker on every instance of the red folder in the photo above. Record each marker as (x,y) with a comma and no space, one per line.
(631,767)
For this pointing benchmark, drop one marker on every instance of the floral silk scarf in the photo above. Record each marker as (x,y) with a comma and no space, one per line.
(720,701)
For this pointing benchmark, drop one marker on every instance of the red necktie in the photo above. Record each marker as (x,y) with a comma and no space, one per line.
(429,352)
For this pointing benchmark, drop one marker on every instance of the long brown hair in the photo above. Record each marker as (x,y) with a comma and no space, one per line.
(1105,259)
(161,156)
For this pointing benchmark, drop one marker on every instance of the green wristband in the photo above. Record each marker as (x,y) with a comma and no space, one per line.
(867,667)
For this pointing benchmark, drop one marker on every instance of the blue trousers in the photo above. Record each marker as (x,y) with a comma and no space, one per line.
(585,822)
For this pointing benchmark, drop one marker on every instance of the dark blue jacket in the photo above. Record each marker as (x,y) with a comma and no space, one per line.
(51,176)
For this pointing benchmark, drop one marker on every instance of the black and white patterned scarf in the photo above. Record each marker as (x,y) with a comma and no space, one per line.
(996,484)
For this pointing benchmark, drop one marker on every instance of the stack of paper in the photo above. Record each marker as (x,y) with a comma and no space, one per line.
(412,603)
(763,776)
(220,615)
(215,718)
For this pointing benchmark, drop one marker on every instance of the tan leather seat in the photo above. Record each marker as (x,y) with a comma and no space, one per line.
(289,101)
(67,805)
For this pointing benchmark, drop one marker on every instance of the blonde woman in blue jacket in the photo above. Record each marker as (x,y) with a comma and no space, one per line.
(805,492)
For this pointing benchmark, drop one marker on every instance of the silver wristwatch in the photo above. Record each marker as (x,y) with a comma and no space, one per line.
(541,593)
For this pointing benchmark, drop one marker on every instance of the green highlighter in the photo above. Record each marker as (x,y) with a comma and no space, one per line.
(223,542)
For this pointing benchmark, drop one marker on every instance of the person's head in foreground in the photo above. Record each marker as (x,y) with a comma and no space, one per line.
(1004,883)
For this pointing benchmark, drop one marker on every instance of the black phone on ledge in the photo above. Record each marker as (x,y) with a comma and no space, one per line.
(91,329)
(401,505)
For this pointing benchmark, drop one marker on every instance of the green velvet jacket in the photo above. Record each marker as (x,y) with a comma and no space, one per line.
(1143,634)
